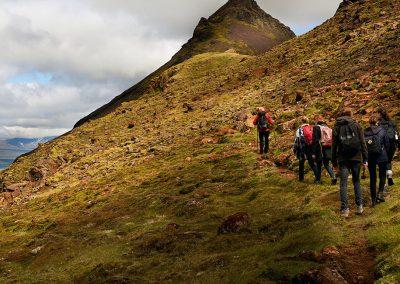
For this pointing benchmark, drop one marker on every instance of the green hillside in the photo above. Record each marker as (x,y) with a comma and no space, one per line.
(139,195)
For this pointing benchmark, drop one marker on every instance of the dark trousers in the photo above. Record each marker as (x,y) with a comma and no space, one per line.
(323,159)
(346,168)
(391,151)
(306,155)
(264,141)
(382,168)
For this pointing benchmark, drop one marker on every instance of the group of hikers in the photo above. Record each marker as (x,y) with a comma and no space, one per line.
(349,148)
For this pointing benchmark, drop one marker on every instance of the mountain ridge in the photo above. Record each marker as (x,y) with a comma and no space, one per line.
(252,31)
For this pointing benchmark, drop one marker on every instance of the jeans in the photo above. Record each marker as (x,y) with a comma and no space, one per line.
(346,168)
(372,165)
(264,141)
(325,162)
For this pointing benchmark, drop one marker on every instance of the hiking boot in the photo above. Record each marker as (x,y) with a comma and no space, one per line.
(334,181)
(389,175)
(360,210)
(345,213)
(374,203)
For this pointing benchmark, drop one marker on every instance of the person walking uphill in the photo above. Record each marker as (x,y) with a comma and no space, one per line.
(322,144)
(349,150)
(303,148)
(378,143)
(393,134)
(264,124)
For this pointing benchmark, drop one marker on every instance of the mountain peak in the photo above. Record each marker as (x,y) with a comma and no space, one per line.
(242,3)
(239,24)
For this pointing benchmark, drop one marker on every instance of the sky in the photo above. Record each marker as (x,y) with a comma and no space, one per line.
(62,59)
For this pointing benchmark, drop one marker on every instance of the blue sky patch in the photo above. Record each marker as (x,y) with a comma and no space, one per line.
(31,77)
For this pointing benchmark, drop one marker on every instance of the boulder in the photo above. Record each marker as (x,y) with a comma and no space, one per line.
(36,174)
(235,223)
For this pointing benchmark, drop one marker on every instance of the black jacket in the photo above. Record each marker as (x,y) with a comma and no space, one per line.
(386,124)
(337,155)
(384,142)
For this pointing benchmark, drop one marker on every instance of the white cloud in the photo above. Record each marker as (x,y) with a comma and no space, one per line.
(95,49)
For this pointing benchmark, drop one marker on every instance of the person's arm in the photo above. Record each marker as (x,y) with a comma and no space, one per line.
(335,146)
(397,133)
(364,149)
(270,120)
(386,142)
(255,121)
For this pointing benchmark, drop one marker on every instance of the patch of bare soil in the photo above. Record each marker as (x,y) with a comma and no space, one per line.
(254,39)
(353,264)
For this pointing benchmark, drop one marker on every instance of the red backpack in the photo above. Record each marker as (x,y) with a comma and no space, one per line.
(308,131)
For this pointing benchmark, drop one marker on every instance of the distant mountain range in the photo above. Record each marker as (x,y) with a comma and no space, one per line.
(10,149)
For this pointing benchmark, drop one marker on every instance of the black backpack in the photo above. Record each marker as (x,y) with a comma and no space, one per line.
(374,144)
(262,122)
(350,143)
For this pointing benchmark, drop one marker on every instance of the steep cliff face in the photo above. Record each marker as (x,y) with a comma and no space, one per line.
(140,194)
(240,25)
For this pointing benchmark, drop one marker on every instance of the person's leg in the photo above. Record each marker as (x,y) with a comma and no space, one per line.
(355,171)
(344,176)
(391,153)
(382,180)
(266,147)
(311,162)
(302,162)
(372,180)
(261,138)
(329,169)
(319,170)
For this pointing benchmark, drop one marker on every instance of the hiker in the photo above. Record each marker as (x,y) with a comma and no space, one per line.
(303,148)
(264,124)
(391,130)
(377,143)
(349,150)
(322,148)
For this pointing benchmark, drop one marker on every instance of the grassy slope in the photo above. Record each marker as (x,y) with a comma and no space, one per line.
(103,213)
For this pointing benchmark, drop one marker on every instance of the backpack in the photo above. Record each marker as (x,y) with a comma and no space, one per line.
(350,143)
(307,132)
(373,143)
(262,122)
(326,136)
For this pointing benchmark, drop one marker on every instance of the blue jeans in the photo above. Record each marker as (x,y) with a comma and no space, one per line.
(345,169)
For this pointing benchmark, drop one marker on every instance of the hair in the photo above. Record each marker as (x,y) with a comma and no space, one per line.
(261,109)
(373,120)
(347,112)
(384,114)
(305,120)
(318,118)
